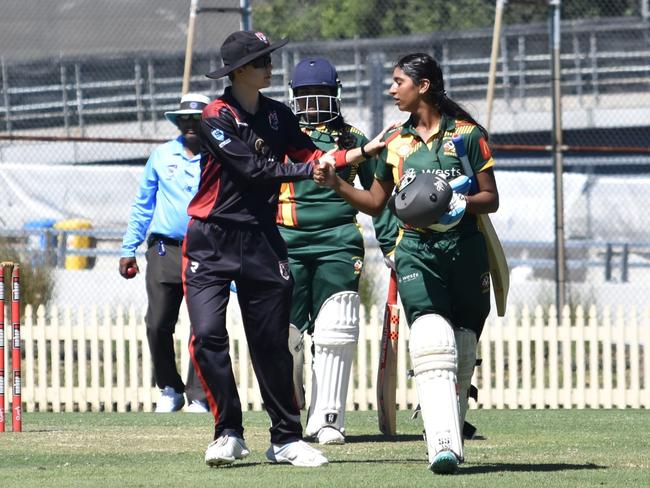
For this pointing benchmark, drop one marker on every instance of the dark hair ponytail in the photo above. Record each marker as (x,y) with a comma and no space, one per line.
(420,66)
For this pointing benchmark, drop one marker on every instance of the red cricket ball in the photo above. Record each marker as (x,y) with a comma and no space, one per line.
(131,272)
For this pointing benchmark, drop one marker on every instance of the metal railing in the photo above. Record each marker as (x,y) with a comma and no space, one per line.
(142,88)
(614,257)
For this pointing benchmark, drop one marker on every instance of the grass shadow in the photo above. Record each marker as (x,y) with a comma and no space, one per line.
(353,439)
(534,468)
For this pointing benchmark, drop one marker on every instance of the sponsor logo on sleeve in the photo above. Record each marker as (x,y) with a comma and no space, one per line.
(218,134)
(485,149)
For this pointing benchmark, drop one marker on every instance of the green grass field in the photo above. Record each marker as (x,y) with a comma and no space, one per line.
(575,448)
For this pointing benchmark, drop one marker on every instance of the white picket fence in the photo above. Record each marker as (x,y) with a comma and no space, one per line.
(98,359)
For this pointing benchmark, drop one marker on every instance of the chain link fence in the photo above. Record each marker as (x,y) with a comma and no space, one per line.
(84,86)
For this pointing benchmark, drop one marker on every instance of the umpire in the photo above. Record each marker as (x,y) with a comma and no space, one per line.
(169,181)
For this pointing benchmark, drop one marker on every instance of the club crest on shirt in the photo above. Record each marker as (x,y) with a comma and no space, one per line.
(404,150)
(260,146)
(284,269)
(274,121)
(450,149)
(218,134)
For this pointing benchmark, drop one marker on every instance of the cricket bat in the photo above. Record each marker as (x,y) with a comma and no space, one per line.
(497,259)
(387,372)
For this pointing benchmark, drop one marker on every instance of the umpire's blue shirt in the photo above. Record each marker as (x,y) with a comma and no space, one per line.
(170,180)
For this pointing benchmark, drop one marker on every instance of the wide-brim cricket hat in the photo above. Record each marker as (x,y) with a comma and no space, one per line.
(242,47)
(191,103)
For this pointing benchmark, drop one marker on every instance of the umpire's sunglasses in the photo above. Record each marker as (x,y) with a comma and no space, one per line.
(262,62)
(190,117)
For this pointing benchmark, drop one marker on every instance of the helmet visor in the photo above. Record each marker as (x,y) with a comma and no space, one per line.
(315,108)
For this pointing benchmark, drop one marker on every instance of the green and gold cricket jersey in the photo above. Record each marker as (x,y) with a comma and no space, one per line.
(405,150)
(303,205)
(324,240)
(445,273)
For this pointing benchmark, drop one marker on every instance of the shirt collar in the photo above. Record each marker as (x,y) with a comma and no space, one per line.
(179,149)
(446,124)
(232,101)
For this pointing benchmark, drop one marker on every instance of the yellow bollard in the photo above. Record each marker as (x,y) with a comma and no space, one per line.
(77,242)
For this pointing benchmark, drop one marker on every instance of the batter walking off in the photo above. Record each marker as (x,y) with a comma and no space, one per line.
(442,267)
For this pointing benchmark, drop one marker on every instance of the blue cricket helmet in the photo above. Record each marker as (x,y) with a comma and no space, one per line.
(315,108)
(314,72)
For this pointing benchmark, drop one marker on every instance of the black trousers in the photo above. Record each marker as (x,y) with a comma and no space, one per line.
(165,294)
(256,259)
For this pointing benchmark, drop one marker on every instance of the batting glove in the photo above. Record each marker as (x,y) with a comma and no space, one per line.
(461,184)
(454,214)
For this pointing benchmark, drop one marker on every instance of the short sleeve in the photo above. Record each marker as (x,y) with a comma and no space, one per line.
(478,151)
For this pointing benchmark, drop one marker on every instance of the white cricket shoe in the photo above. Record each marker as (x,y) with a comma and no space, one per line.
(197,406)
(298,453)
(169,401)
(225,450)
(330,435)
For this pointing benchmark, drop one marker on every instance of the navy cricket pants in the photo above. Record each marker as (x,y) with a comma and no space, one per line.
(165,295)
(255,258)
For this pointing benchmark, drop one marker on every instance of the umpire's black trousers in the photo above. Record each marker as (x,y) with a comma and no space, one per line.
(165,294)
(255,258)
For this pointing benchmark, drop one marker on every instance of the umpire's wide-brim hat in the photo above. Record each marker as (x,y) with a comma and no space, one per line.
(191,103)
(242,47)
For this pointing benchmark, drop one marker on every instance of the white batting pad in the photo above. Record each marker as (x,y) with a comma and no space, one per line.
(433,354)
(466,346)
(297,348)
(336,331)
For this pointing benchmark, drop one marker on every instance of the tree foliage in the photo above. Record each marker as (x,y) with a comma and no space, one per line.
(305,20)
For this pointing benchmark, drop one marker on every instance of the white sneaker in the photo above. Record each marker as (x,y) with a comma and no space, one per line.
(225,450)
(298,453)
(330,435)
(197,406)
(169,401)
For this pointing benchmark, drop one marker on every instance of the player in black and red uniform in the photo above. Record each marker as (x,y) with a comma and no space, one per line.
(232,236)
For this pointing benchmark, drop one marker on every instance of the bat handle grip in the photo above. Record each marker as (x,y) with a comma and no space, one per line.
(457,139)
(392,288)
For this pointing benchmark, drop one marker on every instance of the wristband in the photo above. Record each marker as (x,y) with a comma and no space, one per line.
(364,154)
(340,157)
